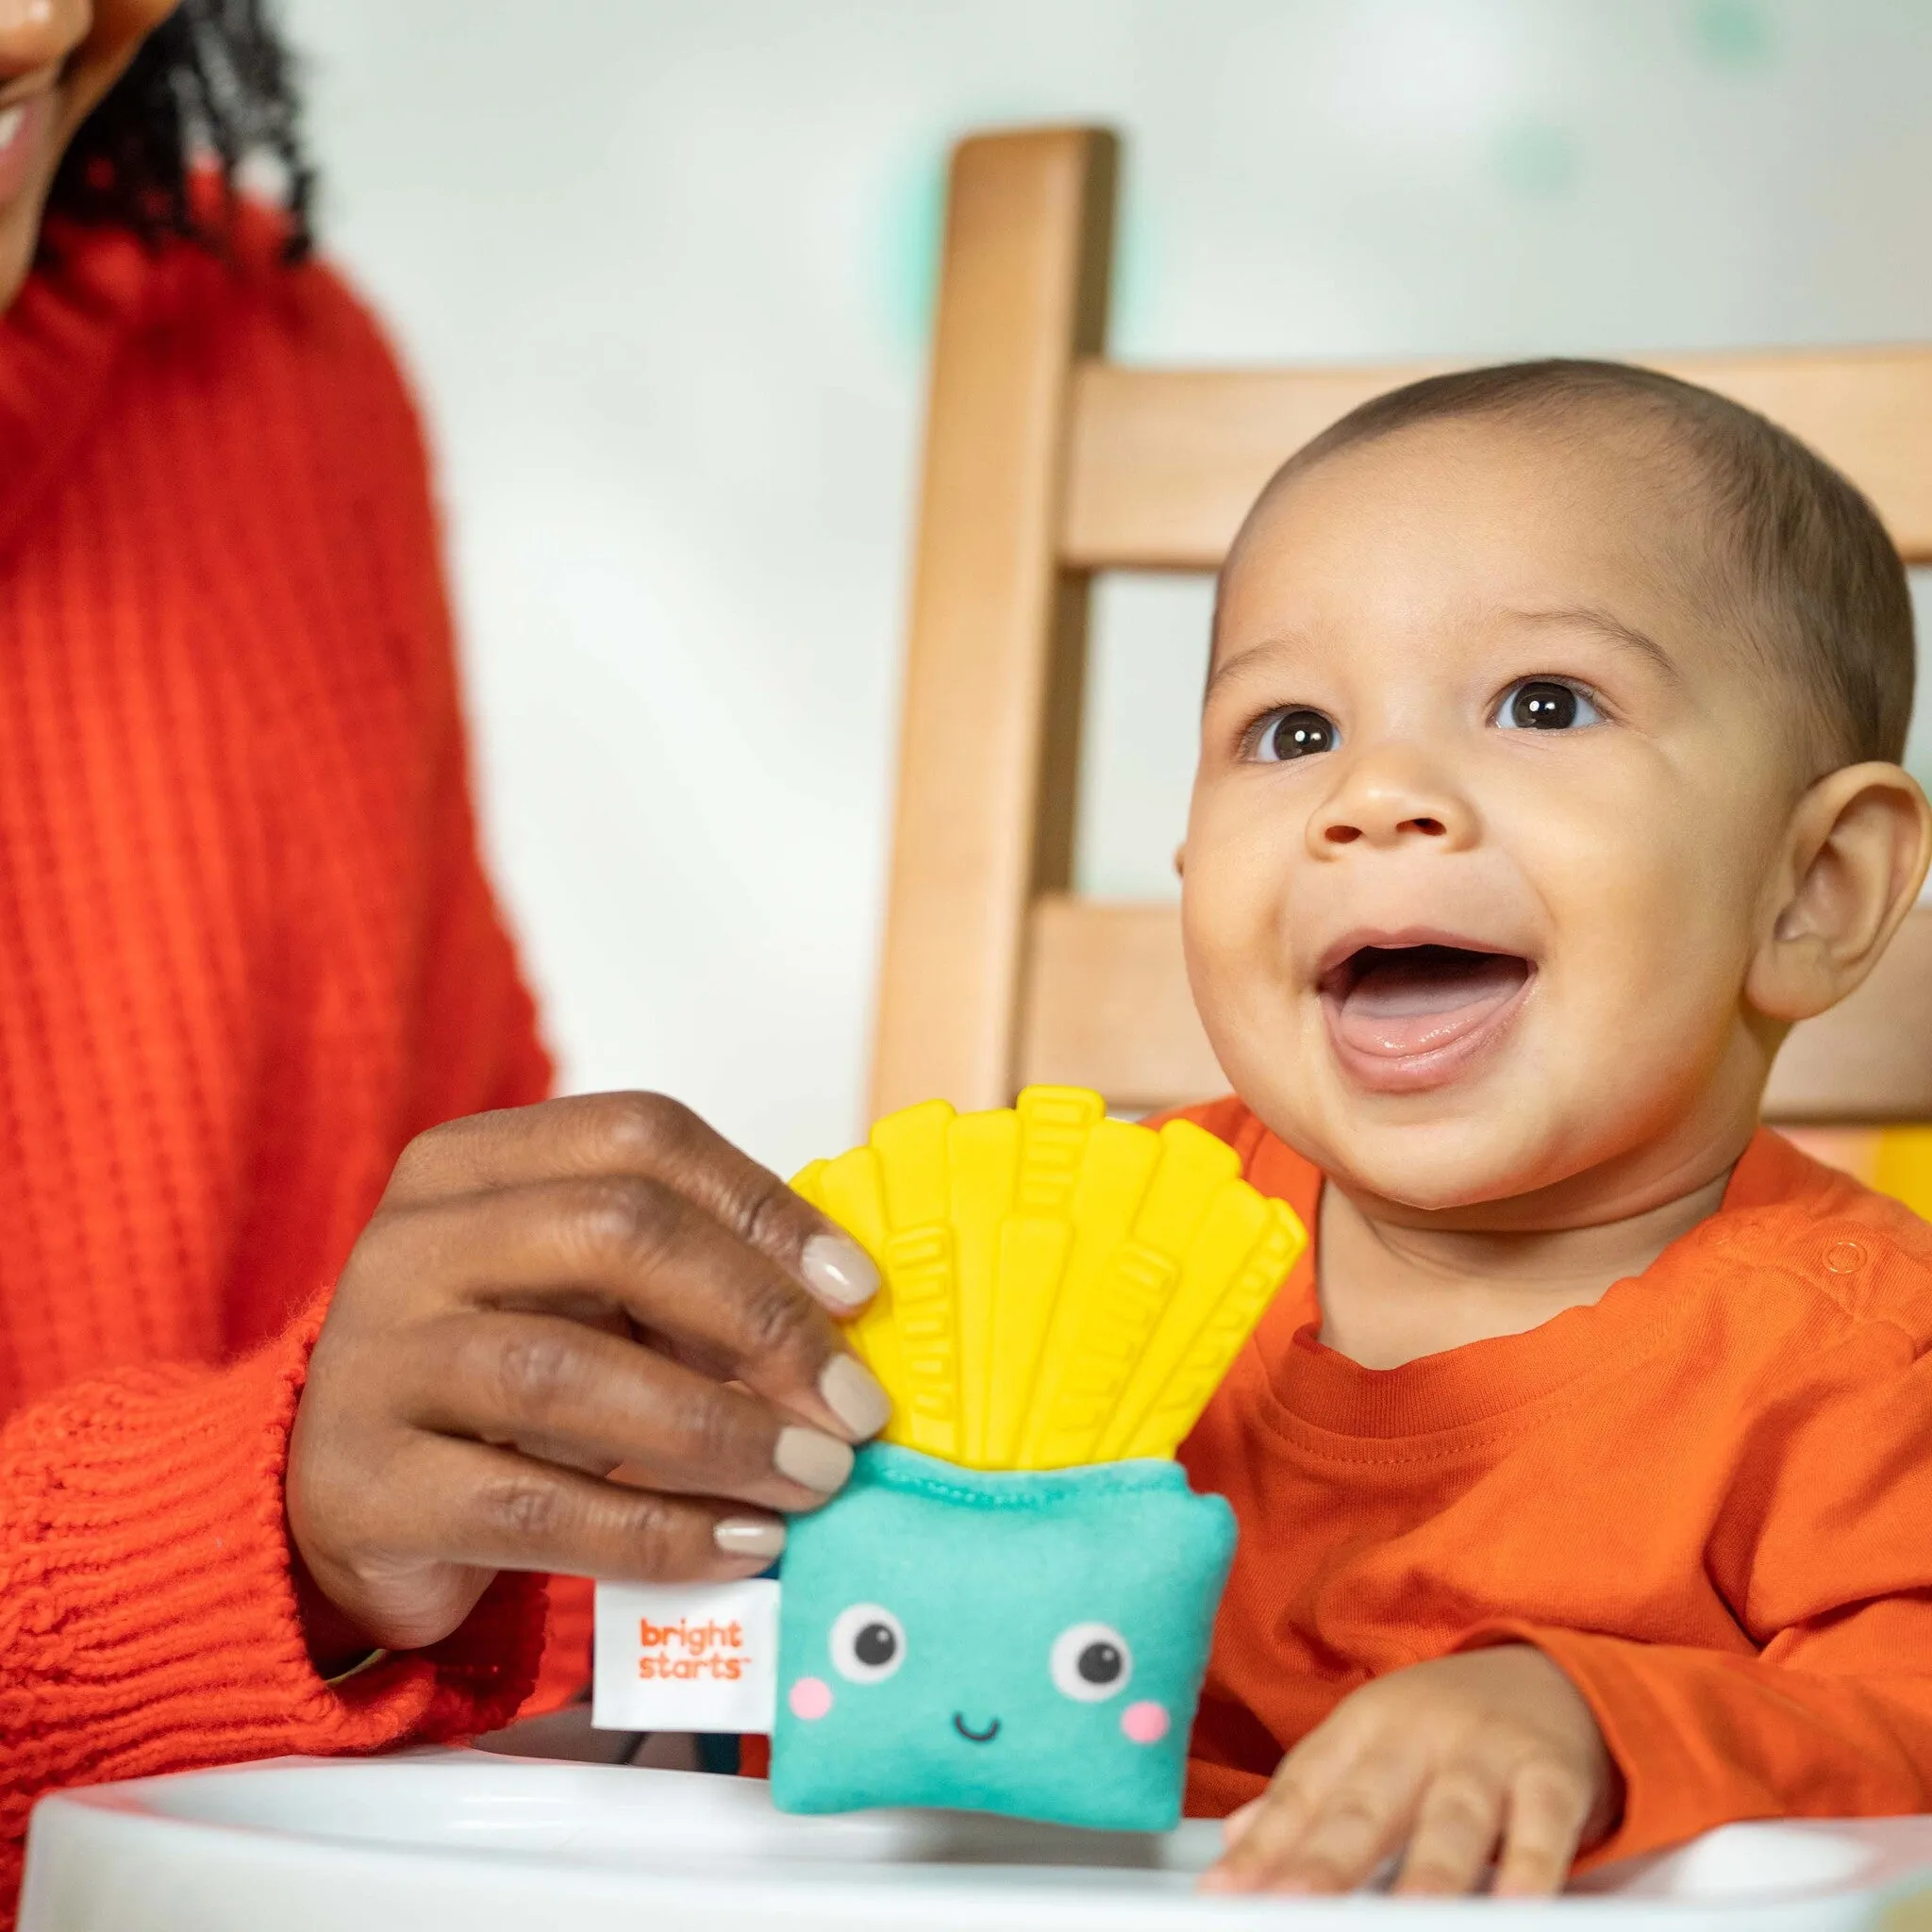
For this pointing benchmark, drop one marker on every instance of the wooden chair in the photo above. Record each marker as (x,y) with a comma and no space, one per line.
(1045,463)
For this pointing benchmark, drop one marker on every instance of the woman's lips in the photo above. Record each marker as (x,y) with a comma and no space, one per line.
(1404,1019)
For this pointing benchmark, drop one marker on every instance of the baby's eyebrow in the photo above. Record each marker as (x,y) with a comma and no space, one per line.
(1218,673)
(1611,628)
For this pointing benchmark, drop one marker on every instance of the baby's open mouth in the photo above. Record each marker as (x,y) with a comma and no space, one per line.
(1405,1015)
(966,1730)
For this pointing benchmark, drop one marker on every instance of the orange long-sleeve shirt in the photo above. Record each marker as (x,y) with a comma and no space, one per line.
(1707,1498)
(246,951)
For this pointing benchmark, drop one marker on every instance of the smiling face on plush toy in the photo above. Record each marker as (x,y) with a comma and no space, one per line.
(1089,1663)
(1031,1643)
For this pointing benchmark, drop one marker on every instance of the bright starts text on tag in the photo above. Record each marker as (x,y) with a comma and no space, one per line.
(685,1649)
(699,1656)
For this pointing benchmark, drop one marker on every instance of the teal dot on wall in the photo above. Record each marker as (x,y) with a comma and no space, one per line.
(1731,33)
(910,242)
(912,233)
(1534,159)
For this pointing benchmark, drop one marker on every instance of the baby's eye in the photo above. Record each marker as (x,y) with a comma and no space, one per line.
(1091,1662)
(868,1643)
(1546,703)
(1297,733)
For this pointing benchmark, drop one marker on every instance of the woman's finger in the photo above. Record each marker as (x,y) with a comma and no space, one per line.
(592,1401)
(1547,1806)
(637,1246)
(484,1507)
(1457,1826)
(653,1138)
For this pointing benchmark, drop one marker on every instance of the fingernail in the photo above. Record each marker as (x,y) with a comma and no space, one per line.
(852,1392)
(810,1456)
(750,1536)
(839,1270)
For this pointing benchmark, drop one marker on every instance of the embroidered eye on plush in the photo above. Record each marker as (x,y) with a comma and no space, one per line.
(868,1643)
(1091,1662)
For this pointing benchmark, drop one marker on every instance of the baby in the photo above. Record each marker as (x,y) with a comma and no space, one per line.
(1548,776)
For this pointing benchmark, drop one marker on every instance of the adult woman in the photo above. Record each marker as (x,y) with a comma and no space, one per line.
(247,955)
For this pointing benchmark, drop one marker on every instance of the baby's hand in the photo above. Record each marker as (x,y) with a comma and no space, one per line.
(1441,1762)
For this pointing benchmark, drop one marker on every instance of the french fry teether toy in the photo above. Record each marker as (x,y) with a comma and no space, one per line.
(1008,1608)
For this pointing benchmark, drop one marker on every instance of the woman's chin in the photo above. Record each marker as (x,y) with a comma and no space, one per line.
(20,234)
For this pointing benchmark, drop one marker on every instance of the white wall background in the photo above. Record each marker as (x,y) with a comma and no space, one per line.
(662,271)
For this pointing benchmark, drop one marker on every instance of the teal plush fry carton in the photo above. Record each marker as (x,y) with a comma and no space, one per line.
(1024,1642)
(1008,1608)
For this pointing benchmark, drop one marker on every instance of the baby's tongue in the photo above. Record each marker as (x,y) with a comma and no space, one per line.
(1409,999)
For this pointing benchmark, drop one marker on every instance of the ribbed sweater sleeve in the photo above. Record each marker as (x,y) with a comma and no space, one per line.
(147,1613)
(248,949)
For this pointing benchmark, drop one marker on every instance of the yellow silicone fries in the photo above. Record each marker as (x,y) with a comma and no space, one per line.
(1060,1288)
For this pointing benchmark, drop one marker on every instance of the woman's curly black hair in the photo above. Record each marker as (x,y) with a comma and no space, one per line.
(212,84)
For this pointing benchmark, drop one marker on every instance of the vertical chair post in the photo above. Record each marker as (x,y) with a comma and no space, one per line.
(991,704)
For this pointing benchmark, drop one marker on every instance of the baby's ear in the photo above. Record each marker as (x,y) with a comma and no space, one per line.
(1858,848)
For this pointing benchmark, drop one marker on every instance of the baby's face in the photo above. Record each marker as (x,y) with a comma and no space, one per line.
(1487,828)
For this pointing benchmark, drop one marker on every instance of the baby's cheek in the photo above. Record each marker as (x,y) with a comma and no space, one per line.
(1142,1723)
(811,1697)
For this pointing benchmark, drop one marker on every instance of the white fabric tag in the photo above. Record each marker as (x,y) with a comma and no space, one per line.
(686,1657)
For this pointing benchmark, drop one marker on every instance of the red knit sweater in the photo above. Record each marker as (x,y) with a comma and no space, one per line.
(246,951)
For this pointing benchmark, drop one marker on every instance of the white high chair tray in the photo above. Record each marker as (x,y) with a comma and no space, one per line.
(461,1841)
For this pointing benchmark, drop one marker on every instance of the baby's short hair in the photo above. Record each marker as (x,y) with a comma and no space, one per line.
(1806,570)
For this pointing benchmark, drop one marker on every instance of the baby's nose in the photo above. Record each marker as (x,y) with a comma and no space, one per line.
(1388,797)
(1341,833)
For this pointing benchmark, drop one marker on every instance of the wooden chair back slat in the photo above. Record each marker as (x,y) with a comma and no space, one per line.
(1107,1005)
(1044,464)
(1162,464)
(991,701)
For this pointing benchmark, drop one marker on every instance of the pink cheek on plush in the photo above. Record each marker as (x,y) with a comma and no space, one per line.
(1145,1724)
(811,1697)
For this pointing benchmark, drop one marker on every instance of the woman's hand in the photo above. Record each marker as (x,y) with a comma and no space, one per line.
(542,1296)
(1442,1763)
